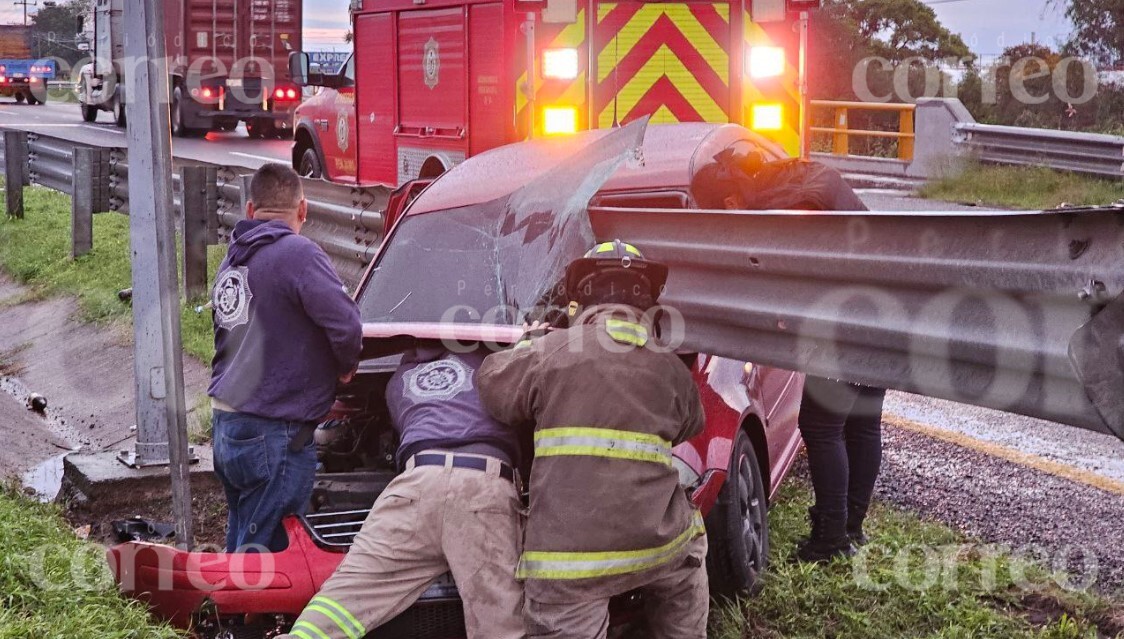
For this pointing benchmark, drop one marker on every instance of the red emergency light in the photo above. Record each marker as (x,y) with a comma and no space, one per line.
(283,93)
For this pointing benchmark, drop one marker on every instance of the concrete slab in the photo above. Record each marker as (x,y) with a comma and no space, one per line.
(98,481)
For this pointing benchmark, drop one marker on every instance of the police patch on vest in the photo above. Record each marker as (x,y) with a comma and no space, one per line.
(231,298)
(439,380)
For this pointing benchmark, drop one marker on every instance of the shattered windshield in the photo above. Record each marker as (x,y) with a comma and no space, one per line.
(494,262)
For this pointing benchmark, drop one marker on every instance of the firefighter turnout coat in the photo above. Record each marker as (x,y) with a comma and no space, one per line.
(607,513)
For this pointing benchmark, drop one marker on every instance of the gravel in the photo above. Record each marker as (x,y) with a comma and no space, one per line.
(1070,525)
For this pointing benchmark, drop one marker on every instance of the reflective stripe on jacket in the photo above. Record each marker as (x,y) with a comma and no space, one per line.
(607,511)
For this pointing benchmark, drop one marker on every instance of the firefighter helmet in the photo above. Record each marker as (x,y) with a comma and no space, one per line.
(615,259)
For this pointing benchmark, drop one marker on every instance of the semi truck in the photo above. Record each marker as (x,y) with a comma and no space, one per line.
(443,80)
(227,61)
(22,76)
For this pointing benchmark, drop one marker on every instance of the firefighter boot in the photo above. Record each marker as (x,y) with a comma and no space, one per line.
(827,541)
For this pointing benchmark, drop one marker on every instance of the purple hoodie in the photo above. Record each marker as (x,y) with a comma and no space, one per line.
(285,326)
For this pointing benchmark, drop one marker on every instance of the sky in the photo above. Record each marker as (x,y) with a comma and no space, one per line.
(988,26)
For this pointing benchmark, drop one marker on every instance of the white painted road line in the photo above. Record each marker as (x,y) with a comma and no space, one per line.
(255,157)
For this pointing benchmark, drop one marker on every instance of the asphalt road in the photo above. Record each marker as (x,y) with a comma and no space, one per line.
(60,119)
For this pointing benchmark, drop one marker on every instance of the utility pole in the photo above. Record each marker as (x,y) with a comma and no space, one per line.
(25,4)
(156,302)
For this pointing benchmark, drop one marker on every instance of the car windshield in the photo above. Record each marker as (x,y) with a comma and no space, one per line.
(495,262)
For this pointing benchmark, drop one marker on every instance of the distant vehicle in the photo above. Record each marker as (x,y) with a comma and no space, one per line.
(730,471)
(227,60)
(21,76)
(442,82)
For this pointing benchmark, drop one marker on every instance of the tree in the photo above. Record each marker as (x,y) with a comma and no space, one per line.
(1098,28)
(53,30)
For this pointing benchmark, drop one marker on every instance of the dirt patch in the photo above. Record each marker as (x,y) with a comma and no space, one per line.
(1042,609)
(85,371)
(153,502)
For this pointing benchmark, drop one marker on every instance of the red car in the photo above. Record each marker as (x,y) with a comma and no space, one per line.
(441,255)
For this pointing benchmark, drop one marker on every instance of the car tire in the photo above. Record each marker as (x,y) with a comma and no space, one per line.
(89,112)
(20,98)
(310,165)
(737,527)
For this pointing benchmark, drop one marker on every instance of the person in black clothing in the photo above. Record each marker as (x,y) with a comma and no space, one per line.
(840,422)
(842,428)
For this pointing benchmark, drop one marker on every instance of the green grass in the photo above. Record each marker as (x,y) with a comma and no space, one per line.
(1031,188)
(866,597)
(36,252)
(54,585)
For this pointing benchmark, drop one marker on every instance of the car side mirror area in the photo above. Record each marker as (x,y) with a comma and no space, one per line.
(302,72)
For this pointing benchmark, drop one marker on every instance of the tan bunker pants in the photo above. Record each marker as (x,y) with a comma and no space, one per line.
(676,604)
(428,521)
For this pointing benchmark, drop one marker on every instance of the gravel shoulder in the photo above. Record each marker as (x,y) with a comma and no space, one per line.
(1067,525)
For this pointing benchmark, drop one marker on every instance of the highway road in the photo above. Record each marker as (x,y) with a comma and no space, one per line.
(61,119)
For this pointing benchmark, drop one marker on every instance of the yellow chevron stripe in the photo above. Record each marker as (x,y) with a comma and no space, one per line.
(664,63)
(680,15)
(572,36)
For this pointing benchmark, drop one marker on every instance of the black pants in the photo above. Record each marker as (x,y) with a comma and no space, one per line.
(842,428)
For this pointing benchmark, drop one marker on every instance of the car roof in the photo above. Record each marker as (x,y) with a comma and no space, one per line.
(671,154)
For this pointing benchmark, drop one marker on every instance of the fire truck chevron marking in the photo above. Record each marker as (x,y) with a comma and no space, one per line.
(664,80)
(663,59)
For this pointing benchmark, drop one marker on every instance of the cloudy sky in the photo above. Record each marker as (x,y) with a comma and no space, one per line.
(988,26)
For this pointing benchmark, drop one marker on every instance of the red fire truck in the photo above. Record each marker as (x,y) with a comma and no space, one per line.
(432,82)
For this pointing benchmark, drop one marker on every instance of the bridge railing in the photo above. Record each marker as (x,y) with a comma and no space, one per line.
(841,132)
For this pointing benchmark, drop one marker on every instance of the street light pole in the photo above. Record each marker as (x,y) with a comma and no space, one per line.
(25,4)
(156,303)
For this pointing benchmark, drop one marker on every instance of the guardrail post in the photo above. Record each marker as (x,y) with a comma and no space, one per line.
(86,182)
(15,170)
(906,128)
(244,192)
(198,199)
(841,143)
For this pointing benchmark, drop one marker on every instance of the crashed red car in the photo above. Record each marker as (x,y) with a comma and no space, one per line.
(435,277)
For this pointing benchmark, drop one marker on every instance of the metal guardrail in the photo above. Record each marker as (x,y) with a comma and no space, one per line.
(1087,153)
(841,132)
(347,222)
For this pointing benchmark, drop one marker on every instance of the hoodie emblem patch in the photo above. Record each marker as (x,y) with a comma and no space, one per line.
(439,380)
(231,298)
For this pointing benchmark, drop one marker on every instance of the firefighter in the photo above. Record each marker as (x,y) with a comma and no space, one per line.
(607,404)
(455,508)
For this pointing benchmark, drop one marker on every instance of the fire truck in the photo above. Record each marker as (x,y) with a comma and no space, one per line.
(432,82)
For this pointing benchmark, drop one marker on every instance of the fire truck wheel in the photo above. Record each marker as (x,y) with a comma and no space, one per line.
(737,528)
(89,112)
(20,98)
(310,166)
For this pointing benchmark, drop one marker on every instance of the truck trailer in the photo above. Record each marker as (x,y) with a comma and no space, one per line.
(22,76)
(227,61)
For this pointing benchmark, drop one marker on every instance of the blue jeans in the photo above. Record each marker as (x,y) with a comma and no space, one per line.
(263,479)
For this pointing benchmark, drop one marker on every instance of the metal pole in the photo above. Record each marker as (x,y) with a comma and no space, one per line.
(161,422)
(805,151)
(82,203)
(15,170)
(194,201)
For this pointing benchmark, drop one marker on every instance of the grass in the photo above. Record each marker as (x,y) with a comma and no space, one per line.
(36,252)
(1031,188)
(54,585)
(880,594)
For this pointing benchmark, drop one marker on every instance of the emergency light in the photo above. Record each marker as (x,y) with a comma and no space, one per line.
(765,62)
(560,64)
(560,120)
(767,117)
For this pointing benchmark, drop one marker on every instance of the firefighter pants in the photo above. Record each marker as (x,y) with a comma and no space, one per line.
(676,604)
(430,520)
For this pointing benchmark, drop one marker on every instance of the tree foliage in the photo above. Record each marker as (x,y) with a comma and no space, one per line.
(53,29)
(1098,28)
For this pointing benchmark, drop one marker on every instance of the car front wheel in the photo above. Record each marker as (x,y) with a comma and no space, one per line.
(738,527)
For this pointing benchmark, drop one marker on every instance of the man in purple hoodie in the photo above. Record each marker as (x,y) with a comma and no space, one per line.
(286,331)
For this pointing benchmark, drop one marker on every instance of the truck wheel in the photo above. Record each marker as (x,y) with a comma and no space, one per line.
(738,527)
(310,166)
(178,127)
(89,112)
(20,98)
(259,129)
(119,113)
(31,99)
